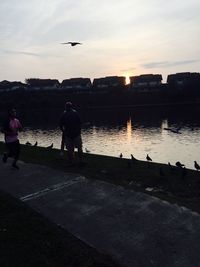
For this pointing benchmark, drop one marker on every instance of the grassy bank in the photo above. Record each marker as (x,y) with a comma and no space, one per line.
(176,185)
(47,244)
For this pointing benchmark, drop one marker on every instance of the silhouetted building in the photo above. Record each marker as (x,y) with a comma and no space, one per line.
(146,82)
(184,79)
(185,84)
(109,82)
(11,86)
(76,85)
(44,84)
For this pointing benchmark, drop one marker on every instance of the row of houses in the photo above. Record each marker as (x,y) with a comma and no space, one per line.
(145,82)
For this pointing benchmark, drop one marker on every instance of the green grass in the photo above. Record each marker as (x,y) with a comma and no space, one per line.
(27,233)
(137,175)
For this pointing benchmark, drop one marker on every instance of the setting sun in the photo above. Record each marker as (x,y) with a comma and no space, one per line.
(127,79)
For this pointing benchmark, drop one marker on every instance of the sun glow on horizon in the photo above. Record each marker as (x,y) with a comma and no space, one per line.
(127,79)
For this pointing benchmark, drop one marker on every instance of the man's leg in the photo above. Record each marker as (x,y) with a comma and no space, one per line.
(78,144)
(62,146)
(70,150)
(80,154)
(70,154)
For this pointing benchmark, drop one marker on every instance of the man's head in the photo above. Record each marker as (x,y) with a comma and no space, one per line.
(68,106)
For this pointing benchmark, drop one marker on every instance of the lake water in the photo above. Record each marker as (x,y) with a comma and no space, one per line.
(127,131)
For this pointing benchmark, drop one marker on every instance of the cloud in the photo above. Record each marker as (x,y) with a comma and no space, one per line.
(22,53)
(26,53)
(118,36)
(129,69)
(152,65)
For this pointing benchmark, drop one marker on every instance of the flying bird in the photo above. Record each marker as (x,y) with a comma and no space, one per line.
(72,43)
(177,131)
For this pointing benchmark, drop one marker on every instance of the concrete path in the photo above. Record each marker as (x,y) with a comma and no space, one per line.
(137,230)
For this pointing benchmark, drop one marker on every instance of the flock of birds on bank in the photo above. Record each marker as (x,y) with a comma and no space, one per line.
(148,158)
(178,163)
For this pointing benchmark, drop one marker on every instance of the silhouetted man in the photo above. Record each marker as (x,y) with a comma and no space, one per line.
(70,125)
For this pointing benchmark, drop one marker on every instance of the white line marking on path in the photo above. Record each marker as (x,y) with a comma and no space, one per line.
(52,188)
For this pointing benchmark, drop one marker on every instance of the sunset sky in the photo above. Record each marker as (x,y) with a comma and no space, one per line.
(123,38)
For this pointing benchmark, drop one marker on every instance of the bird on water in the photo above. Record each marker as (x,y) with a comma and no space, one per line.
(72,43)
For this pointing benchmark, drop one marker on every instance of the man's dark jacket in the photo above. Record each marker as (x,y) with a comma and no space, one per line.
(70,123)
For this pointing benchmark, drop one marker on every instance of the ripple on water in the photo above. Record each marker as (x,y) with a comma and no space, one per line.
(162,146)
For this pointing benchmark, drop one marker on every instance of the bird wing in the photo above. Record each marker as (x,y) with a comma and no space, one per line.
(75,43)
(72,43)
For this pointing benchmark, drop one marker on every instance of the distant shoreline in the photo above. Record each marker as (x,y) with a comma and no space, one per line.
(55,100)
(147,105)
(195,104)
